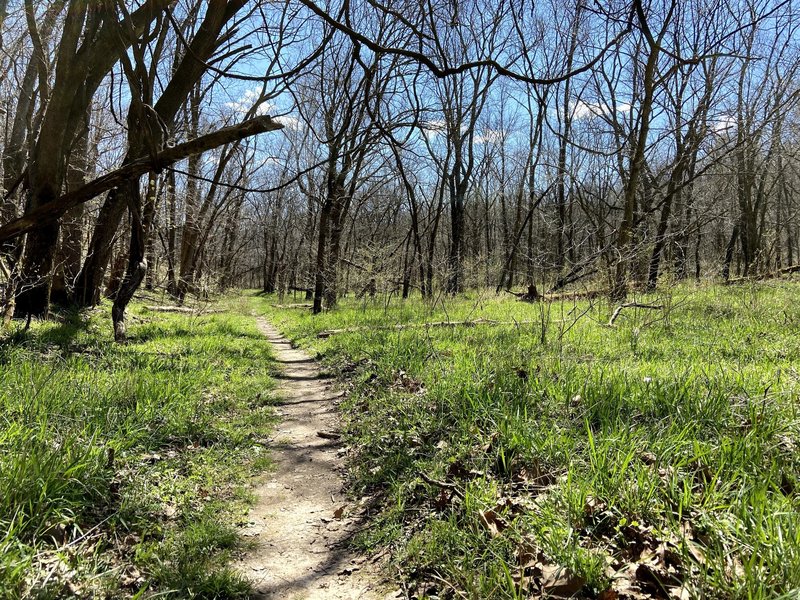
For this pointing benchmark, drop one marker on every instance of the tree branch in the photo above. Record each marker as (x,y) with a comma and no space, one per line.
(445,71)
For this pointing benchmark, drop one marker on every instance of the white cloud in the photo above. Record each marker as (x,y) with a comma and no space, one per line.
(723,124)
(431,129)
(491,136)
(288,121)
(583,110)
(435,125)
(246,102)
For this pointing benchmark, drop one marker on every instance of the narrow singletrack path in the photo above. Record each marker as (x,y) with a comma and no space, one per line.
(301,521)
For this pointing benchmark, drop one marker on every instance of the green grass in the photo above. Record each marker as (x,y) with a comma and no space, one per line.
(656,457)
(124,468)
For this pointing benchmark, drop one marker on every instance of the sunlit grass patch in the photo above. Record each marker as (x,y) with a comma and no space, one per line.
(116,459)
(553,453)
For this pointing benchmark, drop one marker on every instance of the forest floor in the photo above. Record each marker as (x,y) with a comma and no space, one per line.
(534,450)
(495,449)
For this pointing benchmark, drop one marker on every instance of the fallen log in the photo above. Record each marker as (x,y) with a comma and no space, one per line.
(298,305)
(765,276)
(402,326)
(576,274)
(182,310)
(631,305)
(532,295)
(585,295)
(536,297)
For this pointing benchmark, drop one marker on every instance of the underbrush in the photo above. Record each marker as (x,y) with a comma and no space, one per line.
(123,467)
(541,452)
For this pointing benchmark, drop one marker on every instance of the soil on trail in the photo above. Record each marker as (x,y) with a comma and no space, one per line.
(302,522)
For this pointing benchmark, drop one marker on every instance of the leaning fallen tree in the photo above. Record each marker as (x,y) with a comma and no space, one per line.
(765,276)
(51,211)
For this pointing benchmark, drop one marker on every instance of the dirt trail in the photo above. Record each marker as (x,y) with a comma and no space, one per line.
(300,522)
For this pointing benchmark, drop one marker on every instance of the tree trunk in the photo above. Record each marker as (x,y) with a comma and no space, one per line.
(619,288)
(322,242)
(455,258)
(563,141)
(68,263)
(729,250)
(90,279)
(141,218)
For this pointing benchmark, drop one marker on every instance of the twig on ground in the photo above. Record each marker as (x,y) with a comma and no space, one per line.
(441,484)
(632,305)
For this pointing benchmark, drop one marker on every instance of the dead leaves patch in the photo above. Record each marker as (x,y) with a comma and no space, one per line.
(651,565)
(401,381)
(493,522)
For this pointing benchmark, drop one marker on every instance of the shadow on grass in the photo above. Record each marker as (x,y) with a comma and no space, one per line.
(169,329)
(69,324)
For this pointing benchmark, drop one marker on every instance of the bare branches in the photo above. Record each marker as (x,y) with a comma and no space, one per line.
(442,71)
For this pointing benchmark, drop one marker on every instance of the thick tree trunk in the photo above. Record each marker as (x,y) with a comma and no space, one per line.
(625,234)
(563,142)
(309,279)
(331,293)
(80,68)
(729,250)
(661,239)
(455,259)
(33,291)
(322,242)
(68,263)
(185,76)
